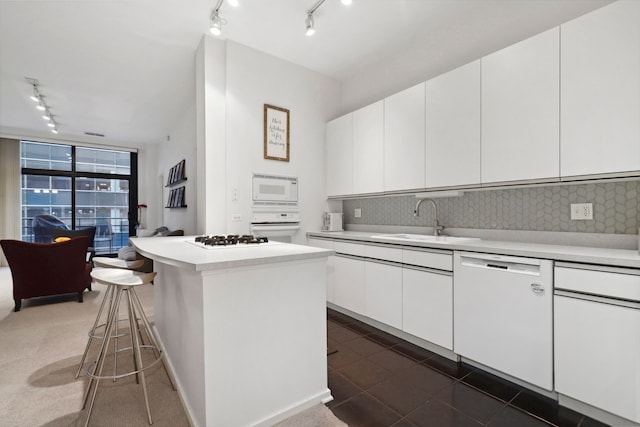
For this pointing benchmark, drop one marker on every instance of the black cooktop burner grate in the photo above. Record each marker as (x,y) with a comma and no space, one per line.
(231,239)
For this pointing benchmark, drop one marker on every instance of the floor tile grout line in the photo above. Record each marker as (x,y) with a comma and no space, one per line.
(486,392)
(538,417)
(506,405)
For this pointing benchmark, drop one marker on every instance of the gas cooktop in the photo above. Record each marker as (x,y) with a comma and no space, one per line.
(230,240)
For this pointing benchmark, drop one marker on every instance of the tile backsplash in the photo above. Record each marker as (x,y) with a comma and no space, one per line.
(615,209)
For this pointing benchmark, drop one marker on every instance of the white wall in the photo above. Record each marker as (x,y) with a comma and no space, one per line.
(180,145)
(211,135)
(222,137)
(254,79)
(148,193)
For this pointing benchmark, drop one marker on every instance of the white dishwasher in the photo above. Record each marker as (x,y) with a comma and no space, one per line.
(502,310)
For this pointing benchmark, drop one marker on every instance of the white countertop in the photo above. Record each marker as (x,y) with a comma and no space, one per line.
(180,252)
(588,255)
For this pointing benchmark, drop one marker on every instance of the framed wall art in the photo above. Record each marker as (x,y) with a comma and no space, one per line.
(276,133)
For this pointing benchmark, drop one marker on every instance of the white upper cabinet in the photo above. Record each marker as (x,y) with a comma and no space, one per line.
(339,156)
(520,110)
(368,149)
(600,100)
(404,144)
(453,127)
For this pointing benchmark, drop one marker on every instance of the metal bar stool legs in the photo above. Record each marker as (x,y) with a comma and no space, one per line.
(106,262)
(124,283)
(108,296)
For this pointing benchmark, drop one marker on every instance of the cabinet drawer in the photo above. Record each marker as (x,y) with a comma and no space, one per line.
(322,243)
(605,283)
(383,252)
(349,248)
(428,259)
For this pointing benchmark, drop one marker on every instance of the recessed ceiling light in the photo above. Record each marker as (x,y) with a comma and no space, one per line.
(233,3)
(346,2)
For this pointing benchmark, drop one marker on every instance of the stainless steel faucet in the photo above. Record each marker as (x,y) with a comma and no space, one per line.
(437,228)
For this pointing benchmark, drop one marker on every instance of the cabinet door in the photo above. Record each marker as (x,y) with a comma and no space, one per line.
(404,143)
(368,138)
(339,156)
(427,306)
(349,283)
(520,110)
(597,354)
(453,127)
(383,293)
(327,244)
(600,77)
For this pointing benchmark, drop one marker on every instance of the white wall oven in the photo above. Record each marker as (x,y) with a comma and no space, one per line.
(274,205)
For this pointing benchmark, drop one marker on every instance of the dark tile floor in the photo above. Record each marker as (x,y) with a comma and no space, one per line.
(380,380)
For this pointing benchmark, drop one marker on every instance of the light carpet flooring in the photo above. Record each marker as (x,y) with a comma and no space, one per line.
(40,349)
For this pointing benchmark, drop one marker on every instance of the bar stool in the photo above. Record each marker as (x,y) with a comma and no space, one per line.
(124,283)
(109,295)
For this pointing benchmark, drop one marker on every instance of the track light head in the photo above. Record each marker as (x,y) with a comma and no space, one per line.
(40,105)
(54,130)
(216,23)
(35,97)
(310,25)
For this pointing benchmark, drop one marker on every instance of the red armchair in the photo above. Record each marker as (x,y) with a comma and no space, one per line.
(43,269)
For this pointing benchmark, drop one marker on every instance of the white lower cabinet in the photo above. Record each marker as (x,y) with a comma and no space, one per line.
(349,283)
(597,339)
(383,293)
(427,302)
(597,355)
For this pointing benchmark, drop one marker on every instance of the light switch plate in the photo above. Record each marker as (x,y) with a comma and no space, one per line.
(581,211)
(357,213)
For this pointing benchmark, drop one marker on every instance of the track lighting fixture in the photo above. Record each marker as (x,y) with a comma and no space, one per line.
(309,22)
(36,96)
(310,25)
(42,106)
(215,26)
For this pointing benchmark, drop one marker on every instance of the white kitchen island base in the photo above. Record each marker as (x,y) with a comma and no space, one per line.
(246,343)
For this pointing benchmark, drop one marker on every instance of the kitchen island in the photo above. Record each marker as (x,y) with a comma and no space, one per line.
(243,327)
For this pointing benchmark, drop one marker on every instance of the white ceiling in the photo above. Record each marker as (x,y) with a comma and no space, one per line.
(125,68)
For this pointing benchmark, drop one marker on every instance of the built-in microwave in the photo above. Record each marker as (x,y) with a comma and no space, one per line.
(274,190)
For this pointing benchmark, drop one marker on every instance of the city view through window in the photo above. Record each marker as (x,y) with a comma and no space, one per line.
(92,191)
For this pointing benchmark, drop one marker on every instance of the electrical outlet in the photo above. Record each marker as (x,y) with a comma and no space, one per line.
(357,213)
(236,217)
(581,211)
(234,195)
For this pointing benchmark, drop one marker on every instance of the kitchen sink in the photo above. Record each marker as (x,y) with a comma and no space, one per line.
(424,238)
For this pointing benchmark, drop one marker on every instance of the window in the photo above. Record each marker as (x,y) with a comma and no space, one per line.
(97,189)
